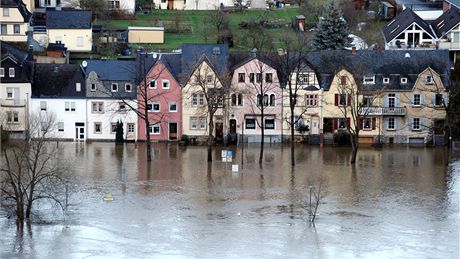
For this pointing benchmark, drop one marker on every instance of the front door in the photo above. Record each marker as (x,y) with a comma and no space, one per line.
(314,127)
(232,126)
(79,131)
(172,131)
(170,4)
(219,131)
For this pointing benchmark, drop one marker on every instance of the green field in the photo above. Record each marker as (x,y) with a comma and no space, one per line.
(195,19)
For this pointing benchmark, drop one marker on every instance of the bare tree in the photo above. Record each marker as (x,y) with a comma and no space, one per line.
(316,194)
(33,170)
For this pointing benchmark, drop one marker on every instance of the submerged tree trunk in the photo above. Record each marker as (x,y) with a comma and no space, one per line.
(29,202)
(149,144)
(262,125)
(210,136)
(354,148)
(292,133)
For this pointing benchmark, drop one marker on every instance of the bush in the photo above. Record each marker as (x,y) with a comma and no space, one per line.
(185,138)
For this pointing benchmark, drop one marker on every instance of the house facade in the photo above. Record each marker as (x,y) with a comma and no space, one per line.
(255,101)
(16,71)
(59,96)
(15,20)
(162,92)
(111,98)
(128,6)
(191,4)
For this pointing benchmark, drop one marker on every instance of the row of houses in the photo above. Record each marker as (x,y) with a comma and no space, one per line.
(404,95)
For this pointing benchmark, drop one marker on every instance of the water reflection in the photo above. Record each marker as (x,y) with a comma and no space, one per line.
(395,202)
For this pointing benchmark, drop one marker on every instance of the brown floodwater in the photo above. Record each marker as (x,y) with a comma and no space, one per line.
(396,202)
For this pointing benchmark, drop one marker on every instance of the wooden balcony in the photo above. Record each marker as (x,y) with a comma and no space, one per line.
(382,111)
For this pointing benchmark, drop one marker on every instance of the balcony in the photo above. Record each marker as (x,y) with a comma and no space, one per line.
(376,111)
(449,45)
(13,102)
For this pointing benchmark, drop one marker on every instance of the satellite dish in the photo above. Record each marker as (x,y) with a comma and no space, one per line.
(154,55)
(84,63)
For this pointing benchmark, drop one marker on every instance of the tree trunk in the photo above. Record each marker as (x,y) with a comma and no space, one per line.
(210,136)
(354,148)
(292,133)
(30,200)
(20,209)
(149,144)
(262,125)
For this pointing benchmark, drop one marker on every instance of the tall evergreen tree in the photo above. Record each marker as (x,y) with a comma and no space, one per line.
(332,31)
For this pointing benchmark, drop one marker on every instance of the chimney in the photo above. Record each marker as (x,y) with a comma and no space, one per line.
(253,52)
(353,50)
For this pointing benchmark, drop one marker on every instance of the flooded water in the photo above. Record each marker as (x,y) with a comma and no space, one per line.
(397,202)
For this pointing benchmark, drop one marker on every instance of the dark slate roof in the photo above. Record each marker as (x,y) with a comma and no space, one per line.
(75,19)
(454,2)
(391,64)
(20,5)
(12,52)
(58,81)
(446,21)
(401,22)
(56,47)
(173,64)
(192,54)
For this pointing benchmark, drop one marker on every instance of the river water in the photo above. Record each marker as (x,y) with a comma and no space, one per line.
(397,202)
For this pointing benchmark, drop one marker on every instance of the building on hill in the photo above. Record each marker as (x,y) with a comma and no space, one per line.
(15,21)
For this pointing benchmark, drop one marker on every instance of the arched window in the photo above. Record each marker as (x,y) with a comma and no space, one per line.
(265,100)
(272,100)
(259,100)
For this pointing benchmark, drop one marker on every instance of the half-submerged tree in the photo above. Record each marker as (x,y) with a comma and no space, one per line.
(33,170)
(332,31)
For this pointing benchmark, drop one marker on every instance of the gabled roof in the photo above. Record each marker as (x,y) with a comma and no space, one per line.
(401,22)
(173,64)
(17,4)
(215,54)
(446,21)
(9,51)
(64,19)
(58,81)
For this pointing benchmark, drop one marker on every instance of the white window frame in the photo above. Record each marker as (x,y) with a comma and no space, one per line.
(10,91)
(386,80)
(112,87)
(429,80)
(122,107)
(113,127)
(416,126)
(152,128)
(95,128)
(167,82)
(403,80)
(367,80)
(130,88)
(18,26)
(154,82)
(391,123)
(131,128)
(93,87)
(169,106)
(311,100)
(6,12)
(99,107)
(73,106)
(364,124)
(193,123)
(2,72)
(78,87)
(43,106)
(12,117)
(60,126)
(11,72)
(419,103)
(80,41)
(202,122)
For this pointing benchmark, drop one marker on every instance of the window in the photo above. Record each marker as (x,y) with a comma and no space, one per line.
(311,100)
(131,128)
(97,107)
(153,107)
(58,39)
(298,121)
(4,28)
(10,93)
(416,124)
(416,100)
(113,128)
(16,29)
(438,100)
(391,123)
(203,122)
(241,78)
(70,106)
(368,80)
(2,72)
(44,125)
(153,83)
(114,87)
(78,87)
(61,126)
(269,78)
(343,80)
(342,99)
(42,105)
(193,123)
(11,72)
(429,80)
(391,100)
(367,124)
(251,77)
(403,80)
(12,117)
(173,107)
(47,2)
(208,79)
(262,100)
(128,88)
(367,101)
(165,84)
(259,77)
(342,123)
(97,127)
(154,129)
(250,123)
(386,80)
(80,41)
(269,124)
(237,99)
(93,87)
(272,100)
(197,99)
(121,107)
(6,12)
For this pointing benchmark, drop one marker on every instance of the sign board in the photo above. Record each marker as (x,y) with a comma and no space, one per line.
(227,155)
(224,154)
(234,168)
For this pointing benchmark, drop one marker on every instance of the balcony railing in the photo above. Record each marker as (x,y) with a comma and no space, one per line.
(449,45)
(395,111)
(12,102)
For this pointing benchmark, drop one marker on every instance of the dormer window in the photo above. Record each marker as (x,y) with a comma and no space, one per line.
(216,51)
(368,80)
(93,87)
(114,87)
(78,87)
(429,80)
(128,88)
(6,12)
(11,72)
(386,80)
(403,80)
(2,72)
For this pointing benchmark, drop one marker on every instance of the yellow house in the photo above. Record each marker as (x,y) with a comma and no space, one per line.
(15,21)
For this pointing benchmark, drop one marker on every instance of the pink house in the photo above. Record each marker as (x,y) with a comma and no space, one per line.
(163,95)
(255,86)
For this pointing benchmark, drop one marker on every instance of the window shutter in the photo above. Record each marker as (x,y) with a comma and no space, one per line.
(396,124)
(446,99)
(398,100)
(385,100)
(336,102)
(385,123)
(422,99)
(433,99)
(348,122)
(373,123)
(422,124)
(335,123)
(348,99)
(412,99)
(361,122)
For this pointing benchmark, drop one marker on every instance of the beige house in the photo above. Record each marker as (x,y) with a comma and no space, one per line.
(14,22)
(71,28)
(148,35)
(191,4)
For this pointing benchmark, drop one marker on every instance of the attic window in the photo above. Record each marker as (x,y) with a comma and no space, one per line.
(78,87)
(403,80)
(429,80)
(386,80)
(369,80)
(2,72)
(93,87)
(216,51)
(114,87)
(6,12)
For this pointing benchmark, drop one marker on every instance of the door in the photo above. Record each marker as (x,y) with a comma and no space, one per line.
(314,126)
(79,131)
(170,4)
(219,131)
(172,131)
(232,126)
